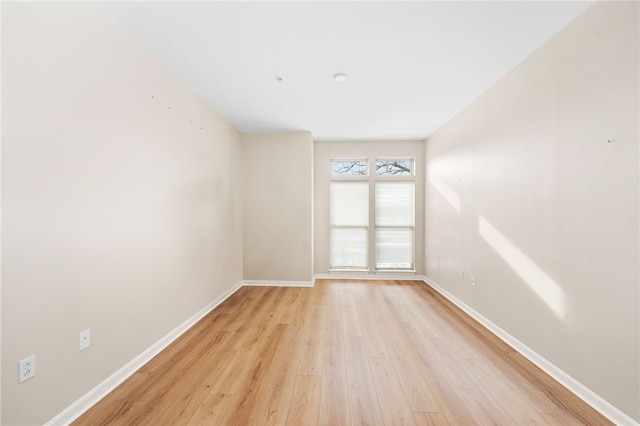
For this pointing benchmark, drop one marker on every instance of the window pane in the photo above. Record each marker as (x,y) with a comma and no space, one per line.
(394,203)
(349,248)
(394,167)
(394,248)
(348,167)
(349,203)
(349,213)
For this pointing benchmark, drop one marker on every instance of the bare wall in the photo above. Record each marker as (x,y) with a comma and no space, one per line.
(122,203)
(533,189)
(278,206)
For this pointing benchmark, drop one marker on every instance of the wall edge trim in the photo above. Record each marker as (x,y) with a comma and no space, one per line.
(88,400)
(581,391)
(406,276)
(276,283)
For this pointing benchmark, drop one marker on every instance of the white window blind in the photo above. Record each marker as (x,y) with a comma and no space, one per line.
(349,215)
(394,233)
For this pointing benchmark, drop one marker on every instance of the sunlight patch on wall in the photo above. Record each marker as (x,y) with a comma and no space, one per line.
(542,284)
(447,192)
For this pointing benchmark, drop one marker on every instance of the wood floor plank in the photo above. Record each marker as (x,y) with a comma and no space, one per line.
(371,335)
(290,308)
(334,394)
(231,379)
(430,419)
(312,349)
(343,352)
(481,403)
(304,409)
(363,400)
(513,396)
(255,384)
(560,419)
(350,320)
(333,298)
(183,399)
(274,400)
(213,409)
(396,304)
(394,405)
(412,372)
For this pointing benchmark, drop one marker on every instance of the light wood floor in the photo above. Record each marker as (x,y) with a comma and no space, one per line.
(342,352)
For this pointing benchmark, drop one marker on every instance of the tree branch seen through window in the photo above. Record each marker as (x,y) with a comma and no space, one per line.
(393,167)
(349,167)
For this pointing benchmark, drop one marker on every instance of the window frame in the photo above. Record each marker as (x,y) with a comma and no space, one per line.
(350,177)
(411,175)
(372,177)
(412,227)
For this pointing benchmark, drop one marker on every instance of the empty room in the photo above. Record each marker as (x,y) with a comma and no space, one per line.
(283,213)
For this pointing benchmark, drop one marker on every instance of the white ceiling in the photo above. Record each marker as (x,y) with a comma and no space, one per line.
(411,65)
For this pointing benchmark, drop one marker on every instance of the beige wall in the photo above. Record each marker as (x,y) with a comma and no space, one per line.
(278,206)
(324,152)
(525,192)
(121,203)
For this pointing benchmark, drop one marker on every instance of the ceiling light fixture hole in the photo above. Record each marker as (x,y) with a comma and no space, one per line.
(340,77)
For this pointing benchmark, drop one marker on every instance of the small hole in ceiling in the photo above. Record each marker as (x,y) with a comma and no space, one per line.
(340,77)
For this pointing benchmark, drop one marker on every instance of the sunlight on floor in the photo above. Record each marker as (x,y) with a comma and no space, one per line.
(542,284)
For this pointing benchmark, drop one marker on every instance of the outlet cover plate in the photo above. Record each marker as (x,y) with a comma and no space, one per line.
(26,368)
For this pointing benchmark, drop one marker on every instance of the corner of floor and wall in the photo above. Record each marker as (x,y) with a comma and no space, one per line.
(131,208)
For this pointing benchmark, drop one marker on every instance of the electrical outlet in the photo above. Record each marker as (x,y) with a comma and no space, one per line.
(461,274)
(26,368)
(473,280)
(84,339)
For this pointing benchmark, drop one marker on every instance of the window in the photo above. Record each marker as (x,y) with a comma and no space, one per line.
(394,167)
(386,199)
(394,205)
(349,211)
(348,167)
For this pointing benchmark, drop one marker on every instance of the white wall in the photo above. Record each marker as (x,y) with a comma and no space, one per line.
(122,203)
(278,206)
(0,230)
(324,152)
(525,192)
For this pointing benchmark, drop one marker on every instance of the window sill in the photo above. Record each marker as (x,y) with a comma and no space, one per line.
(347,270)
(376,272)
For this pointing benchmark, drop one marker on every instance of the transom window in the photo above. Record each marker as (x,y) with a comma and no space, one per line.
(385,199)
(348,167)
(394,167)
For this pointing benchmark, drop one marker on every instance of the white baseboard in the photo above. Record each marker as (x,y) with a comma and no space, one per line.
(267,283)
(574,386)
(410,276)
(76,409)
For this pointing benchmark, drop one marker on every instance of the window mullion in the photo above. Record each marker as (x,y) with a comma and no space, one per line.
(372,215)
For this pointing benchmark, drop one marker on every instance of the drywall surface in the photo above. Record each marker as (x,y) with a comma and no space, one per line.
(324,152)
(533,191)
(122,203)
(277,206)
